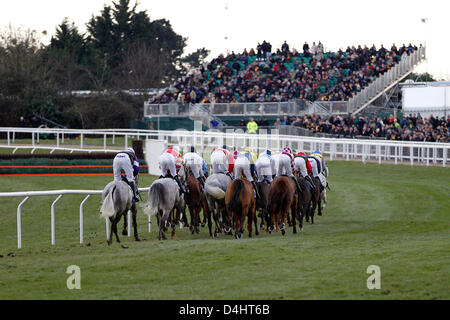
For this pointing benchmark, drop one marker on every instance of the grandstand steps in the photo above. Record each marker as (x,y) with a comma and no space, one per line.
(386,82)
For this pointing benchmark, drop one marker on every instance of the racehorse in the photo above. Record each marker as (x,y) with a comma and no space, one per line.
(117,200)
(215,188)
(196,201)
(163,199)
(262,203)
(316,201)
(282,198)
(304,202)
(240,203)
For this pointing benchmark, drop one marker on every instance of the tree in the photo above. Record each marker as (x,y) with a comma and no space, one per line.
(195,59)
(120,27)
(70,55)
(25,81)
(418,77)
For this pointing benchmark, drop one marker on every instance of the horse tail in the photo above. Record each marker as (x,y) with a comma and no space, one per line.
(278,201)
(108,208)
(155,199)
(215,192)
(235,203)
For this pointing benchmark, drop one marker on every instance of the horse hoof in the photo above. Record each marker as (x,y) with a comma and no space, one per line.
(137,239)
(283,232)
(124,232)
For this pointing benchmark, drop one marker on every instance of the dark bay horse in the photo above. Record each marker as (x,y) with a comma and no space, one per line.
(316,201)
(304,202)
(240,202)
(196,201)
(262,203)
(282,198)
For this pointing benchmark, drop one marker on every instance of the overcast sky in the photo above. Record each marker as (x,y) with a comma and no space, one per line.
(221,25)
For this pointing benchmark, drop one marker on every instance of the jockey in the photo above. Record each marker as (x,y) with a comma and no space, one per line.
(286,164)
(242,165)
(265,166)
(205,168)
(222,161)
(302,164)
(315,169)
(252,157)
(127,161)
(170,162)
(194,161)
(323,163)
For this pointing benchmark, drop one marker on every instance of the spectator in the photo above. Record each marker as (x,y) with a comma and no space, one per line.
(283,75)
(252,126)
(214,123)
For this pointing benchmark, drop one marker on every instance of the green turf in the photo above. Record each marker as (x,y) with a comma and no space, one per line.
(396,217)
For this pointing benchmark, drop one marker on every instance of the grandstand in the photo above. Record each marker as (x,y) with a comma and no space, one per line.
(283,83)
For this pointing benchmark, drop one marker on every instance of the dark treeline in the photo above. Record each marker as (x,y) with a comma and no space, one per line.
(121,49)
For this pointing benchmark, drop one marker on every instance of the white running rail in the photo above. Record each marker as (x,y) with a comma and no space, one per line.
(60,194)
(334,148)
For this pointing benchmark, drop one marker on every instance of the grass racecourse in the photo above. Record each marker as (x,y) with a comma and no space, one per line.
(395,217)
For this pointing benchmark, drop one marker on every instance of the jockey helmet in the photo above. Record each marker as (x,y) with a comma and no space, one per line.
(247,149)
(176,148)
(224,147)
(317,152)
(287,150)
(131,150)
(269,152)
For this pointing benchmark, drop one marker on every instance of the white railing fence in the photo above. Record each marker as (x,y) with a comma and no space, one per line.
(60,194)
(334,148)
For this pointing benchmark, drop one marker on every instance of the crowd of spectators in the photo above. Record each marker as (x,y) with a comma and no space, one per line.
(284,74)
(409,128)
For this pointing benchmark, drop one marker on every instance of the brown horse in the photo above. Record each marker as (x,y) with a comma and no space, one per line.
(240,202)
(196,201)
(316,201)
(304,202)
(282,198)
(262,203)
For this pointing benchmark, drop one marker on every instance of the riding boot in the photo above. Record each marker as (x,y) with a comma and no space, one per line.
(135,191)
(202,183)
(177,179)
(311,183)
(298,186)
(256,190)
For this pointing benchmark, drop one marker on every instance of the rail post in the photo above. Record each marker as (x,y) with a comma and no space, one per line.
(81,218)
(19,222)
(53,218)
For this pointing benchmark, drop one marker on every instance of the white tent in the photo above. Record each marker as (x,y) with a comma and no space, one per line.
(429,98)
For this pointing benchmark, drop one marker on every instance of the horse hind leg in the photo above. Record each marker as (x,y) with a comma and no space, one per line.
(134,213)
(114,226)
(125,230)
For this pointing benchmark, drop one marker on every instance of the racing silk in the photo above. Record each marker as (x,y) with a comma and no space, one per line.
(135,166)
(205,167)
(264,155)
(249,155)
(318,160)
(230,158)
(308,165)
(177,156)
(290,156)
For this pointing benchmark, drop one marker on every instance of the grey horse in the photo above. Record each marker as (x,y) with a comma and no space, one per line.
(163,198)
(215,188)
(117,201)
